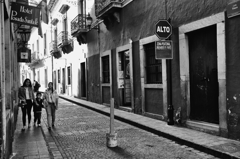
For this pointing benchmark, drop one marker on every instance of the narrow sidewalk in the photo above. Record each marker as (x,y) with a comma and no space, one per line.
(211,144)
(29,144)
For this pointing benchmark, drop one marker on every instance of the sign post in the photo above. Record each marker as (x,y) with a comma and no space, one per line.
(163,30)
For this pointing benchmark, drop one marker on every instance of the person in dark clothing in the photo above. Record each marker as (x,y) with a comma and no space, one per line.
(37,109)
(36,86)
(26,98)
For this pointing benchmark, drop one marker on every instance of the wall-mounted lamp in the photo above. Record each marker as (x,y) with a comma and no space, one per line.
(89,21)
(25,35)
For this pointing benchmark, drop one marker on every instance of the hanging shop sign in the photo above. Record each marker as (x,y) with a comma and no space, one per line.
(164,49)
(25,14)
(24,55)
(233,8)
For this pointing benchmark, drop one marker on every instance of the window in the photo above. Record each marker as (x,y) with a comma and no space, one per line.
(105,69)
(153,66)
(38,76)
(45,43)
(59,76)
(46,77)
(69,74)
(37,49)
(65,23)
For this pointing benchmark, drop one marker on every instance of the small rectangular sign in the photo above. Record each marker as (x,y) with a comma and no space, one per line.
(24,55)
(25,14)
(163,49)
(233,8)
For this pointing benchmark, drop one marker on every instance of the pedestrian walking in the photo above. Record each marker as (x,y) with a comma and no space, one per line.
(37,109)
(26,98)
(50,98)
(36,86)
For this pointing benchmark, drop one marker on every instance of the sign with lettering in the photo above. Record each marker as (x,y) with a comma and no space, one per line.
(163,29)
(233,8)
(25,14)
(163,49)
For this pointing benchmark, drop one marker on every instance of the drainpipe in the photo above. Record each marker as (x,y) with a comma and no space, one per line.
(2,82)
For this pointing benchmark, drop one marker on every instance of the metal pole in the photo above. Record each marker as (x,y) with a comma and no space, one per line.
(112,117)
(170,108)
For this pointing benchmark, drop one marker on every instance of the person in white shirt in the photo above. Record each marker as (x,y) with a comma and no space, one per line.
(50,98)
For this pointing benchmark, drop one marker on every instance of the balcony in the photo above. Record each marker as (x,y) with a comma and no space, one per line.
(62,39)
(78,25)
(53,46)
(36,61)
(54,49)
(105,7)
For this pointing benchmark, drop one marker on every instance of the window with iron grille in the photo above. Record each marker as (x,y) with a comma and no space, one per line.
(69,74)
(105,69)
(153,67)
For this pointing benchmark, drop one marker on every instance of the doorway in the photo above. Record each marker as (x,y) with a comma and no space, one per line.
(124,83)
(83,80)
(63,81)
(203,75)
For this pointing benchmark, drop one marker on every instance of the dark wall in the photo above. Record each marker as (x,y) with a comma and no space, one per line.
(233,75)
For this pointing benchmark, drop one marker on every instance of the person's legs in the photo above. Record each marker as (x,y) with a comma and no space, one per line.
(29,108)
(35,118)
(39,118)
(24,113)
(49,115)
(53,115)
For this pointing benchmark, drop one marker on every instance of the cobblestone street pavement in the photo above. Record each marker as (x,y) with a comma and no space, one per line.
(81,133)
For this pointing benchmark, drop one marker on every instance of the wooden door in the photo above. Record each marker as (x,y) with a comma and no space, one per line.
(203,75)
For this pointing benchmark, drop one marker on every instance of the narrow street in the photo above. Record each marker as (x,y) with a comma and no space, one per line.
(81,133)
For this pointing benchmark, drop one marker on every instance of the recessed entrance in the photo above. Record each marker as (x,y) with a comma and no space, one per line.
(124,84)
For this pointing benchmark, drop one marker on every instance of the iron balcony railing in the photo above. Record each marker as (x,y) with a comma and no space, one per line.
(53,46)
(102,6)
(62,38)
(78,24)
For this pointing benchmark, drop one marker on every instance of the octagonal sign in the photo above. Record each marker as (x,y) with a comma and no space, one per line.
(163,29)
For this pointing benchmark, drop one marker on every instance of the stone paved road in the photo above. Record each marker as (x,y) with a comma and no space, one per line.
(80,133)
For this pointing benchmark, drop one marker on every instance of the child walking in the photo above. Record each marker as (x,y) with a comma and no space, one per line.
(37,109)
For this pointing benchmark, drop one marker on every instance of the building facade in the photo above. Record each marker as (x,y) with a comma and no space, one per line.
(204,77)
(9,78)
(106,49)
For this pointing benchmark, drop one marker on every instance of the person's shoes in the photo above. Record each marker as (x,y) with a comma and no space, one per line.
(39,125)
(53,125)
(23,129)
(34,124)
(49,128)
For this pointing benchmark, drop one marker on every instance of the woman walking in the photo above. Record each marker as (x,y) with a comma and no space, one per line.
(26,97)
(50,98)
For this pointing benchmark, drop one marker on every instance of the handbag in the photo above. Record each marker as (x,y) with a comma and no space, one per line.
(21,104)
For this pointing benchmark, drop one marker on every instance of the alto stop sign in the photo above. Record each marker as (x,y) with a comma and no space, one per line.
(163,29)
